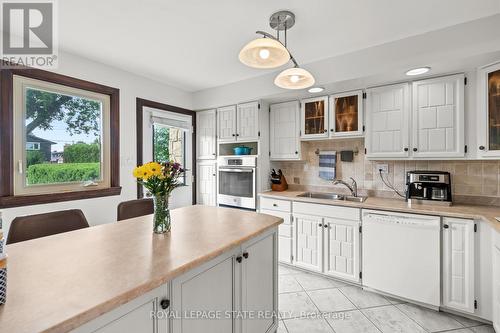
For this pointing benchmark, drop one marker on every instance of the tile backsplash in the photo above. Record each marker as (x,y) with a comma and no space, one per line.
(472,181)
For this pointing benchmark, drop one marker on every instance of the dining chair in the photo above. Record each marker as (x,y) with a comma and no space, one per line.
(135,208)
(28,227)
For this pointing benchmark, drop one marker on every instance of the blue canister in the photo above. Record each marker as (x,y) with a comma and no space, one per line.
(242,150)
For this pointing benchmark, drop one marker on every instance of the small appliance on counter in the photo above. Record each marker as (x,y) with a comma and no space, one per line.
(278,181)
(428,187)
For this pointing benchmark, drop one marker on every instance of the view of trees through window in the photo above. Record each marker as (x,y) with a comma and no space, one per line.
(63,138)
(168,145)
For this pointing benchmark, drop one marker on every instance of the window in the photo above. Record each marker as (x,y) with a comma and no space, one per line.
(32,146)
(62,138)
(169,145)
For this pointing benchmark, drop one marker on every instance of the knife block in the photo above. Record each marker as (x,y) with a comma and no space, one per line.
(283,186)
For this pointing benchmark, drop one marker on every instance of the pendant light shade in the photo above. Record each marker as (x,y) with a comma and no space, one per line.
(264,53)
(294,78)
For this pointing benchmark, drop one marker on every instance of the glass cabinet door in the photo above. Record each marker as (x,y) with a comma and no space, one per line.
(494,110)
(314,118)
(489,111)
(346,114)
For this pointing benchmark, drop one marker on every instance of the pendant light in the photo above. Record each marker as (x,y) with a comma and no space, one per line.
(269,52)
(294,78)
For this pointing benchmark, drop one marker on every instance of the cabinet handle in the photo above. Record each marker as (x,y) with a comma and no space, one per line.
(325,225)
(481,147)
(406,149)
(325,131)
(275,205)
(245,255)
(234,134)
(296,152)
(446,226)
(239,259)
(164,303)
(237,134)
(415,149)
(320,224)
(213,174)
(331,129)
(213,154)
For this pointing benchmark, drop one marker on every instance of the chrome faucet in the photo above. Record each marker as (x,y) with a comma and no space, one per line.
(353,187)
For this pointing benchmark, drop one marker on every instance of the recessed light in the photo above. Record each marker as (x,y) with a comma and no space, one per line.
(418,71)
(315,90)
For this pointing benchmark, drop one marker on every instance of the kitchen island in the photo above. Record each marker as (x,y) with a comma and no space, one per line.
(114,277)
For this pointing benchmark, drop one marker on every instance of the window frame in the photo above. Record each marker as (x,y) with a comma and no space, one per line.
(7,165)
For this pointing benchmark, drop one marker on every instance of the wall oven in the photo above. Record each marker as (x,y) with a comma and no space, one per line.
(237,182)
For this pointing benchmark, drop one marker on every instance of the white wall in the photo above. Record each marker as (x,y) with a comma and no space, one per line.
(103,210)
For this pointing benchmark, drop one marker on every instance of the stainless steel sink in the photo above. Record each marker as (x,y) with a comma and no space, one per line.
(331,196)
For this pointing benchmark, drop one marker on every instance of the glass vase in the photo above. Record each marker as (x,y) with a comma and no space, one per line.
(161,217)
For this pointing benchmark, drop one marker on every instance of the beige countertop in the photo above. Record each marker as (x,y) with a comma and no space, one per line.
(60,282)
(476,212)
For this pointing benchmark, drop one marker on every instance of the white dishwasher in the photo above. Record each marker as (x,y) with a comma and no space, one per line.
(401,255)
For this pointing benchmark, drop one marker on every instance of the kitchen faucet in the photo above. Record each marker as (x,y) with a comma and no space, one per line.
(353,187)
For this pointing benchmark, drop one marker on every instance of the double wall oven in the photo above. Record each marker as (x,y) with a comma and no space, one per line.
(237,182)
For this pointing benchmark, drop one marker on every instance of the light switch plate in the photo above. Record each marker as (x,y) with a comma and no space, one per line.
(384,167)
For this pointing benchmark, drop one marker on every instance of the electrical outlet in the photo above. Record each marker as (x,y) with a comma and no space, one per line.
(383,167)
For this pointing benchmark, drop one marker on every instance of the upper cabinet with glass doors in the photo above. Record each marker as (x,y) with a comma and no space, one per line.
(346,114)
(314,118)
(489,111)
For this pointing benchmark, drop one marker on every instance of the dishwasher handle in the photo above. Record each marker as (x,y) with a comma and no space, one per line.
(400,220)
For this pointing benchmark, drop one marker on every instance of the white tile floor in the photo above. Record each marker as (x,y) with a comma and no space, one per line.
(310,303)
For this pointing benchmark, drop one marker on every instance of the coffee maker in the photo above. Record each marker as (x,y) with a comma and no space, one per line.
(428,187)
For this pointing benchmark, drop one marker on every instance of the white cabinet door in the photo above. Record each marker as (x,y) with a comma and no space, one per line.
(285,235)
(458,264)
(259,289)
(226,123)
(207,183)
(309,242)
(488,120)
(247,120)
(134,316)
(342,248)
(285,131)
(438,117)
(387,121)
(206,135)
(496,287)
(208,289)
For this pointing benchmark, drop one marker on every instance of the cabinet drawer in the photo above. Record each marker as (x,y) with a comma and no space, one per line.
(285,216)
(285,230)
(275,204)
(347,213)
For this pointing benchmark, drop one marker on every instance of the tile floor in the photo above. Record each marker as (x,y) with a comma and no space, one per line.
(309,303)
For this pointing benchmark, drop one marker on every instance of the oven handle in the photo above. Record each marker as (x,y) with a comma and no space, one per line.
(236,170)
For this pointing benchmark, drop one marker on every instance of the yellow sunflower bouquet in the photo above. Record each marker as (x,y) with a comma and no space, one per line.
(160,179)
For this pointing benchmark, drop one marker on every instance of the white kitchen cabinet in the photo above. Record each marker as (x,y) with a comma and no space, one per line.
(488,120)
(206,183)
(346,114)
(259,287)
(285,131)
(308,241)
(226,123)
(438,117)
(496,288)
(342,248)
(134,316)
(247,122)
(458,264)
(314,118)
(208,288)
(282,209)
(387,121)
(206,135)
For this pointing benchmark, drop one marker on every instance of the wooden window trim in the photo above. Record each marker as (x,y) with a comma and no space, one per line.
(140,104)
(7,198)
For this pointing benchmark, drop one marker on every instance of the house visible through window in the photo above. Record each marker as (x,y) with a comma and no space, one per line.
(61,138)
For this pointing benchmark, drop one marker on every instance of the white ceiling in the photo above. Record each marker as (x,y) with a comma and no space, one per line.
(194,44)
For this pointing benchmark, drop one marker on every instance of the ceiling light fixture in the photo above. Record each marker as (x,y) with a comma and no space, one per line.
(269,52)
(315,90)
(418,71)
